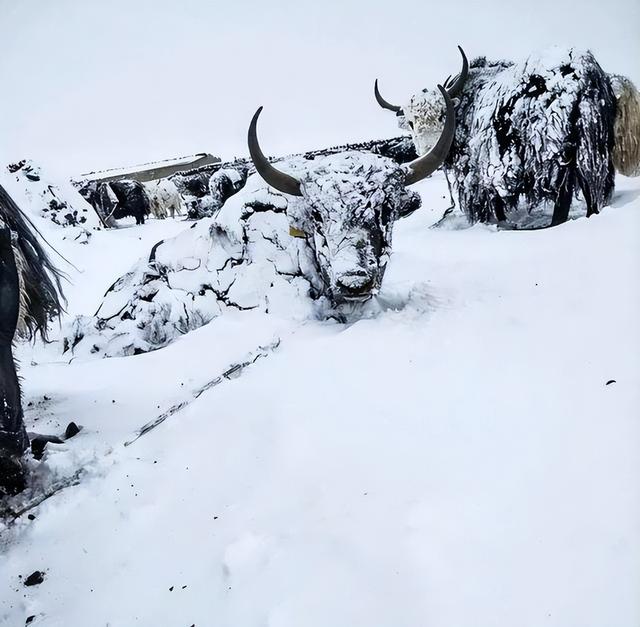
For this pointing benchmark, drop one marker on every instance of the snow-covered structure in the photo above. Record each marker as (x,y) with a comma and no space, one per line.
(531,133)
(316,246)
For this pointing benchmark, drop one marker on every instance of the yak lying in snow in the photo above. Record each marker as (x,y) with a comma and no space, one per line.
(30,296)
(315,246)
(532,133)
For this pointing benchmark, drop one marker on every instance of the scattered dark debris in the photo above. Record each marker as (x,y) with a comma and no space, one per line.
(30,619)
(31,517)
(35,578)
(610,381)
(171,589)
(183,587)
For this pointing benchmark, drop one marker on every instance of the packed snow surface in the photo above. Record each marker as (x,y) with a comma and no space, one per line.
(467,456)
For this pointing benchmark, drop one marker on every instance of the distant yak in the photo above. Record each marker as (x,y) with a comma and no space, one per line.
(531,133)
(164,199)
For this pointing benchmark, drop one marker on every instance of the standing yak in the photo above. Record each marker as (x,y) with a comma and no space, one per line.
(535,131)
(117,199)
(30,296)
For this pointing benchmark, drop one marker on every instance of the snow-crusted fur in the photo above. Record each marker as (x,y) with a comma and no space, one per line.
(205,192)
(164,198)
(626,151)
(225,183)
(299,257)
(528,133)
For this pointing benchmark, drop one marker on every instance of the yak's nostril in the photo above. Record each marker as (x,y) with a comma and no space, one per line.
(355,285)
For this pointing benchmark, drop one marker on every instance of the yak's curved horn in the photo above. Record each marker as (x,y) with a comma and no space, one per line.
(382,102)
(429,163)
(278,180)
(454,88)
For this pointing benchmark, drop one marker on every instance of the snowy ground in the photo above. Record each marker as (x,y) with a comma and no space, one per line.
(456,460)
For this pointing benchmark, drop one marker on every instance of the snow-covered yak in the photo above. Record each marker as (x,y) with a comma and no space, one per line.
(164,198)
(532,133)
(30,296)
(205,193)
(118,199)
(310,238)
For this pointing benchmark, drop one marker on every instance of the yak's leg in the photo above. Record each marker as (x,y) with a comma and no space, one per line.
(13,436)
(563,199)
(592,205)
(498,209)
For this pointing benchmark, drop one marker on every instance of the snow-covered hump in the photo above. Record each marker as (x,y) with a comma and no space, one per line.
(298,257)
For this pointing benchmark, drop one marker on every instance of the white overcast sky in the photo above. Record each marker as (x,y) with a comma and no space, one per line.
(89,85)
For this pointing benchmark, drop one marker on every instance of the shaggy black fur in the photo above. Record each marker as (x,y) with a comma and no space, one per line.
(117,200)
(42,296)
(132,200)
(521,136)
(43,290)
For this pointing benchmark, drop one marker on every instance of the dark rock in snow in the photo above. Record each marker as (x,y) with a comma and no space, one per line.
(35,578)
(71,430)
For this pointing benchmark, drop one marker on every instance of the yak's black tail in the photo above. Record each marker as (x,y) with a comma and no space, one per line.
(40,281)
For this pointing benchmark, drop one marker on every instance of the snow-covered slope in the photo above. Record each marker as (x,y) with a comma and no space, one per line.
(462,458)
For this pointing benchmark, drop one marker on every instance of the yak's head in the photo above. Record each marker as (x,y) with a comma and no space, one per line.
(423,116)
(347,204)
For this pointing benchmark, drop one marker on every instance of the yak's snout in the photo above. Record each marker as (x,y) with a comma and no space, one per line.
(355,286)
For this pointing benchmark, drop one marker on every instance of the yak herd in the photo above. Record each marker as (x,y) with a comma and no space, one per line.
(312,236)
